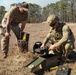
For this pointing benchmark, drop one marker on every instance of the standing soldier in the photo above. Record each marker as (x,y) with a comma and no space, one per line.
(60,38)
(13,17)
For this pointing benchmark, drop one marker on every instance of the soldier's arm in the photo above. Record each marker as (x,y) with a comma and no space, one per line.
(9,17)
(7,33)
(23,25)
(8,24)
(65,31)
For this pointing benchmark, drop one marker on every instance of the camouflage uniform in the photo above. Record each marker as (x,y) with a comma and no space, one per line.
(17,17)
(62,37)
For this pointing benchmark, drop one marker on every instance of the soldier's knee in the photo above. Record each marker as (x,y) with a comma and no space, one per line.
(67,46)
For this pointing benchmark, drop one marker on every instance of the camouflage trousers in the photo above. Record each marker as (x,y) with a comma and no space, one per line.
(64,49)
(5,41)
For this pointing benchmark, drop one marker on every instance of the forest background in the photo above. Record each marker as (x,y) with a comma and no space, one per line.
(65,9)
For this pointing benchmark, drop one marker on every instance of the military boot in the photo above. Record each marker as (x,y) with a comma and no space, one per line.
(4,55)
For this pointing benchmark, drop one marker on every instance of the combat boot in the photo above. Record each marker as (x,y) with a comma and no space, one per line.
(4,55)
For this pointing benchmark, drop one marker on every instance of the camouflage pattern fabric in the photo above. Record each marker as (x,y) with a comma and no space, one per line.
(17,17)
(5,41)
(62,37)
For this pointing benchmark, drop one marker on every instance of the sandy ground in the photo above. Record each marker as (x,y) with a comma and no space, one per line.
(15,63)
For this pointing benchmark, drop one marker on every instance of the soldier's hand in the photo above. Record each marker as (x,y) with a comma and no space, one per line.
(7,35)
(42,46)
(52,47)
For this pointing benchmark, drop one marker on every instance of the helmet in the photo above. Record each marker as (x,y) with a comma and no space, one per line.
(24,5)
(52,19)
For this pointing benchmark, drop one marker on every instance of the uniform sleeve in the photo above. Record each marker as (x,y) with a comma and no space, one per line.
(65,32)
(26,16)
(9,14)
(8,18)
(47,37)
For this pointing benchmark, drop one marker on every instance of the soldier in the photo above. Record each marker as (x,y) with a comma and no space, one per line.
(60,38)
(12,18)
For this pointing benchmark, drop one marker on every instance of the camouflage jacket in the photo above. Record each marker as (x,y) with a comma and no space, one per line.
(60,35)
(16,15)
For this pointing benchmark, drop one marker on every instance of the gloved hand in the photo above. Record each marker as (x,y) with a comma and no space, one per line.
(42,46)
